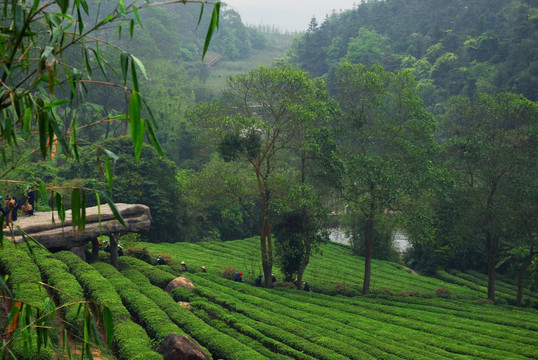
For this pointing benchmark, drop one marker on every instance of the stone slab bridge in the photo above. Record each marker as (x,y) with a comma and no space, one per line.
(47,229)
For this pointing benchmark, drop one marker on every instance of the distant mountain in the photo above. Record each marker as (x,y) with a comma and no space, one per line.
(453,46)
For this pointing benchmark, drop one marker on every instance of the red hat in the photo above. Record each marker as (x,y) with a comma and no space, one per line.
(241,273)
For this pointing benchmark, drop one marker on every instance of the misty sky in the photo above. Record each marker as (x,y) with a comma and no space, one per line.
(288,15)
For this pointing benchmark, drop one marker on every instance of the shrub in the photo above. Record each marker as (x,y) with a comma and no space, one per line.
(443,292)
(228,273)
(139,252)
(341,289)
(483,301)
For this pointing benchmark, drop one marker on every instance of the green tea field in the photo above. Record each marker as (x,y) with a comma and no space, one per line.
(405,317)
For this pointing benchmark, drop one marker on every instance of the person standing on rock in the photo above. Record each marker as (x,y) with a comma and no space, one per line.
(12,207)
(30,198)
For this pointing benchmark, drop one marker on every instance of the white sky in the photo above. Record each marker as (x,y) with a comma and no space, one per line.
(291,15)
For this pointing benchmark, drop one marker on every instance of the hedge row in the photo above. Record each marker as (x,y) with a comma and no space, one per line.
(156,276)
(155,321)
(23,275)
(219,344)
(343,338)
(65,287)
(130,341)
(443,337)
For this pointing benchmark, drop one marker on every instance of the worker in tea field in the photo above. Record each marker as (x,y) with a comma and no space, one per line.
(258,281)
(203,269)
(161,261)
(238,276)
(106,246)
(306,287)
(184,266)
(30,198)
(273,279)
(120,250)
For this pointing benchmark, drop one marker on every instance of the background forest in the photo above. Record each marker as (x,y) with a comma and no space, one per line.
(417,116)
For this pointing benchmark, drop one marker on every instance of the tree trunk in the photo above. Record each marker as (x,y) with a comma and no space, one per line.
(368,242)
(521,274)
(95,250)
(304,264)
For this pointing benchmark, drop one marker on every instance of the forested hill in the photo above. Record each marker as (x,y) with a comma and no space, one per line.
(453,47)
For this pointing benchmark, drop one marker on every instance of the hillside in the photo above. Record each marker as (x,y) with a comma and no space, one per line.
(403,318)
(452,47)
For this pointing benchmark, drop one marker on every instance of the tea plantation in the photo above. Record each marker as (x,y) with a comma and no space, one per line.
(407,316)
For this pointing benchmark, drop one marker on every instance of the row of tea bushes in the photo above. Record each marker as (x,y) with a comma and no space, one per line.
(130,341)
(64,286)
(23,282)
(219,344)
(304,322)
(155,321)
(391,327)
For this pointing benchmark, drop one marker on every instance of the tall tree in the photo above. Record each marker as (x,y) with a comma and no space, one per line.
(267,109)
(492,144)
(387,144)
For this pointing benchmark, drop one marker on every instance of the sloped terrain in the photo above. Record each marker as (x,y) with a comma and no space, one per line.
(405,317)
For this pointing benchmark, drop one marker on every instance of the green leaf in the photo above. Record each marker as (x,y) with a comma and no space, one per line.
(99,61)
(122,7)
(82,225)
(87,62)
(137,16)
(8,131)
(59,136)
(153,138)
(131,28)
(105,20)
(75,207)
(213,24)
(140,65)
(43,124)
(114,209)
(109,177)
(124,60)
(43,191)
(27,119)
(63,4)
(136,124)
(61,207)
(74,146)
(108,325)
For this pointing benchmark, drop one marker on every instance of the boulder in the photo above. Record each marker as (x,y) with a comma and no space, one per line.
(180,282)
(47,229)
(180,347)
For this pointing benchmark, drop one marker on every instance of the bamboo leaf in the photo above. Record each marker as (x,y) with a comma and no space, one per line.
(131,28)
(82,225)
(121,4)
(114,209)
(27,119)
(108,325)
(153,138)
(60,207)
(75,207)
(213,24)
(137,16)
(87,62)
(43,191)
(109,177)
(124,60)
(43,127)
(140,65)
(136,124)
(98,58)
